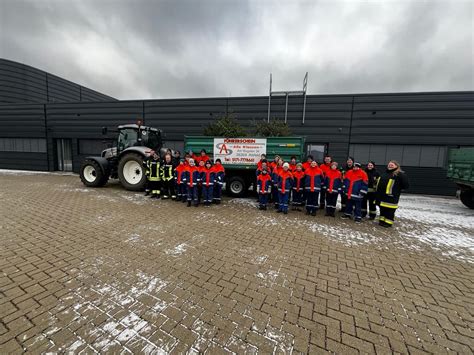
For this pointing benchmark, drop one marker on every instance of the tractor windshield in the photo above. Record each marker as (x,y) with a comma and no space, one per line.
(128,137)
(153,140)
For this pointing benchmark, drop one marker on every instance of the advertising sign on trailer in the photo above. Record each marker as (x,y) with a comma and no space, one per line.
(239,151)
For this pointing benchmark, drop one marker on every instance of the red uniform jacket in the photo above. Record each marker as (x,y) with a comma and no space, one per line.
(313,179)
(298,184)
(306,165)
(325,168)
(179,172)
(333,180)
(285,181)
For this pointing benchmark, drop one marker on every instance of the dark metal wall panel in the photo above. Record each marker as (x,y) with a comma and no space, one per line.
(60,90)
(85,120)
(178,118)
(22,83)
(431,118)
(432,181)
(22,121)
(22,161)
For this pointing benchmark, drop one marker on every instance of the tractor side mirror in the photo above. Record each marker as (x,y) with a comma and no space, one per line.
(104,131)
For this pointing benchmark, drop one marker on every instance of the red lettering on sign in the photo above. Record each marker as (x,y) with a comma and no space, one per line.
(223,148)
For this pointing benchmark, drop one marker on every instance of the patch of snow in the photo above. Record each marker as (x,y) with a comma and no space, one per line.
(260,259)
(177,250)
(243,202)
(133,238)
(137,199)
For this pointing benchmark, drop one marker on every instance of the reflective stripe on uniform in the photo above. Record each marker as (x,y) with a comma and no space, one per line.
(389,188)
(388,205)
(388,221)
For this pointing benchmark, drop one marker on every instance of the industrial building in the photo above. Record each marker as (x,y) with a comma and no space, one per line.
(49,123)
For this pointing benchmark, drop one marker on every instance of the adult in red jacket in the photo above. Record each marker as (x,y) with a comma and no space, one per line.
(312,184)
(263,158)
(298,187)
(202,157)
(284,184)
(325,167)
(332,187)
(276,171)
(355,187)
(307,163)
(220,178)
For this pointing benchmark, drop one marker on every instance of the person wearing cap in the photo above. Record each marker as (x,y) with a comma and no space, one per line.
(192,177)
(264,187)
(389,189)
(347,167)
(263,158)
(276,171)
(312,184)
(180,182)
(355,187)
(325,167)
(298,187)
(369,199)
(284,185)
(153,175)
(332,187)
(208,177)
(219,181)
(167,177)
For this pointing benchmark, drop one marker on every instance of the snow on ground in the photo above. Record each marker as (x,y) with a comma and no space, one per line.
(442,223)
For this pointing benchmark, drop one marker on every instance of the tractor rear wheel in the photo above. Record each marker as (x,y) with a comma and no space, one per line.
(131,172)
(92,175)
(467,198)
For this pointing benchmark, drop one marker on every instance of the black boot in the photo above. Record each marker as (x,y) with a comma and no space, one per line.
(189,203)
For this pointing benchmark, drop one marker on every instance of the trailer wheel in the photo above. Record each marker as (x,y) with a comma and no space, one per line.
(92,175)
(131,173)
(467,198)
(236,186)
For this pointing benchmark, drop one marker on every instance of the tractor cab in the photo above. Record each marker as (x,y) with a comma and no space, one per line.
(132,135)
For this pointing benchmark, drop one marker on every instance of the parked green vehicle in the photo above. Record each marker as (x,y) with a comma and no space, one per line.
(461,171)
(240,155)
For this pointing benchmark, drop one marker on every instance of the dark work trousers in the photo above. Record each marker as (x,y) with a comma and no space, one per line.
(275,197)
(387,215)
(312,204)
(297,198)
(154,187)
(322,198)
(192,194)
(354,206)
(183,191)
(217,193)
(167,190)
(283,201)
(262,200)
(369,199)
(343,202)
(207,193)
(331,201)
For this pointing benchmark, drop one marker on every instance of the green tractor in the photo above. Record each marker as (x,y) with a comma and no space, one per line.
(125,160)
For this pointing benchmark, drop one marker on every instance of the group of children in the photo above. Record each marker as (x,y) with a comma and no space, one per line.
(317,186)
(196,179)
(192,179)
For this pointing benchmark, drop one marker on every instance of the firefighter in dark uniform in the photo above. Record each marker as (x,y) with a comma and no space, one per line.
(167,178)
(349,165)
(389,188)
(145,163)
(153,175)
(373,176)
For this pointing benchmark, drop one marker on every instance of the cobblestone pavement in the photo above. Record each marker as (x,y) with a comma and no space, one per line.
(107,270)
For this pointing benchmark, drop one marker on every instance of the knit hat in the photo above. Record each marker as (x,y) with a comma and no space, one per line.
(208,162)
(286,165)
(357,164)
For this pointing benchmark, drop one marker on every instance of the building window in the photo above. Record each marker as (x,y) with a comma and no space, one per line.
(27,145)
(429,156)
(318,151)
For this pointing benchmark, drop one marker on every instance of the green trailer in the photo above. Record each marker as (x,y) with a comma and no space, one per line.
(461,171)
(240,155)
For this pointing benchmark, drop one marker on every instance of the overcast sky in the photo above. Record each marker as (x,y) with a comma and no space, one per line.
(185,48)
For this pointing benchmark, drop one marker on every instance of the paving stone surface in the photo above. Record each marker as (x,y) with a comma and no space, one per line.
(107,270)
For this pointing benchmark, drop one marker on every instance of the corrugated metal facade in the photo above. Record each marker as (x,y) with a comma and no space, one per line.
(399,125)
(22,83)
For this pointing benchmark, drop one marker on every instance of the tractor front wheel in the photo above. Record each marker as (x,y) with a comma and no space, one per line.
(467,198)
(92,175)
(131,172)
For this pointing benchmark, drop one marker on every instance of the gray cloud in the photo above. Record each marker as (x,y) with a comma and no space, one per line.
(155,49)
